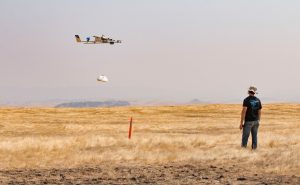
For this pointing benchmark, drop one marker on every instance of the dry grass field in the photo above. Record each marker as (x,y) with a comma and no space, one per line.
(67,138)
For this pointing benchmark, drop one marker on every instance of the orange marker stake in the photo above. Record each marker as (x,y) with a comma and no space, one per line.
(130,129)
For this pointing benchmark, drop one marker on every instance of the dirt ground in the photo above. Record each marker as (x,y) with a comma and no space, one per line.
(172,173)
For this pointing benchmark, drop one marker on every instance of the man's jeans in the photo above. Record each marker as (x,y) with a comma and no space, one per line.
(250,126)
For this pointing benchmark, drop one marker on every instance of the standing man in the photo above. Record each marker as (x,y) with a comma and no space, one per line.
(250,117)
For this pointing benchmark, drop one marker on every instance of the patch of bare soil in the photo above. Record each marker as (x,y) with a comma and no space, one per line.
(172,173)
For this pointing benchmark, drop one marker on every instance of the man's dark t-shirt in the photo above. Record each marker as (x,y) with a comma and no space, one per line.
(253,104)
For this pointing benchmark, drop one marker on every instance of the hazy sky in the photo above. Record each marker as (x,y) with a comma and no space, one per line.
(172,49)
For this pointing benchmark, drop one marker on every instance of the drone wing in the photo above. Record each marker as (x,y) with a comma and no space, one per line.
(98,39)
(104,39)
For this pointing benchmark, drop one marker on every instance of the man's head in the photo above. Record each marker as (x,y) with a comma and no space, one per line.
(252,90)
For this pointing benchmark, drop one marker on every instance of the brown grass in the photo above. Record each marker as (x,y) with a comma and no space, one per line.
(65,137)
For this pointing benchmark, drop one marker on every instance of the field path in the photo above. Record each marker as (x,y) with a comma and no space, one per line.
(172,173)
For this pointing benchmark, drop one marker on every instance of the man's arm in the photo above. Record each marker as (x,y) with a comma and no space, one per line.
(243,114)
(259,114)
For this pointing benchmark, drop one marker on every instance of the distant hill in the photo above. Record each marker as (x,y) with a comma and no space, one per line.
(196,101)
(94,104)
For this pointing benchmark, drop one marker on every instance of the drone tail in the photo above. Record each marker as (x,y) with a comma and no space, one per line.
(77,38)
